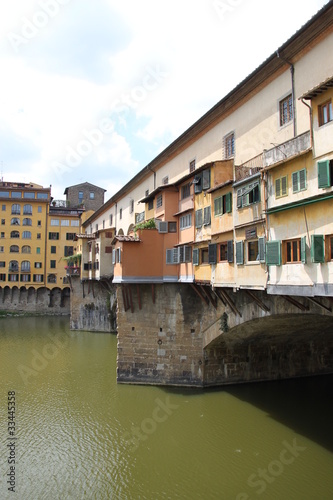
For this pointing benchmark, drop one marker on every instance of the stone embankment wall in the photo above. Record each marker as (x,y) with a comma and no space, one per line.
(35,301)
(93,306)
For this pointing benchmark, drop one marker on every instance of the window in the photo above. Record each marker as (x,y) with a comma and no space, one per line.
(329,246)
(172,227)
(52,264)
(299,180)
(14,249)
(198,218)
(165,180)
(69,251)
(16,209)
(13,266)
(116,255)
(185,221)
(25,266)
(2,235)
(212,253)
(13,277)
(229,145)
(186,191)
(159,201)
(325,114)
(2,249)
(3,208)
(325,177)
(2,277)
(223,205)
(2,263)
(80,196)
(14,234)
(206,221)
(54,222)
(197,181)
(192,166)
(27,194)
(150,204)
(70,236)
(204,254)
(39,210)
(195,254)
(4,194)
(38,265)
(25,277)
(286,110)
(26,235)
(51,278)
(131,206)
(38,278)
(75,223)
(38,250)
(293,251)
(39,236)
(173,255)
(27,222)
(53,249)
(64,222)
(26,249)
(27,209)
(39,223)
(3,222)
(120,213)
(281,187)
(53,236)
(248,195)
(227,251)
(252,251)
(16,194)
(42,196)
(111,219)
(92,195)
(185,253)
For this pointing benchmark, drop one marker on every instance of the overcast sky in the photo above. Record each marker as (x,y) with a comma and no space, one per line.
(93,90)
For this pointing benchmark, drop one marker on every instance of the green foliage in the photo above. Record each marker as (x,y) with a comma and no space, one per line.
(149,224)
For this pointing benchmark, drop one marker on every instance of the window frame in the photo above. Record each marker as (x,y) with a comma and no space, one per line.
(286,115)
(325,106)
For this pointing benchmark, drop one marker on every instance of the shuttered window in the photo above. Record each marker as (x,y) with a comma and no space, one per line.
(273,253)
(299,180)
(324,173)
(223,205)
(317,248)
(206,179)
(261,249)
(303,249)
(206,220)
(239,252)
(212,253)
(195,256)
(198,218)
(281,187)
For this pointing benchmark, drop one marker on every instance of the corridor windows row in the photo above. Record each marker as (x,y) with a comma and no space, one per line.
(203,217)
(25,234)
(179,255)
(297,250)
(16,209)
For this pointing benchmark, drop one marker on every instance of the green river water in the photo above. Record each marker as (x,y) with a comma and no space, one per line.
(76,434)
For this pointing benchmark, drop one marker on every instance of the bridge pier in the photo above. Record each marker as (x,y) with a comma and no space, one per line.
(174,334)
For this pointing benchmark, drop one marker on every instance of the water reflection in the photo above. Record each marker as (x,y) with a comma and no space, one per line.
(83,436)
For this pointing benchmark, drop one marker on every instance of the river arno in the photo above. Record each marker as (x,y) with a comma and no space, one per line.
(80,435)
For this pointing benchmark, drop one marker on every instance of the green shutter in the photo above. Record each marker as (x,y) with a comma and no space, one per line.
(212,253)
(198,183)
(218,206)
(239,252)
(239,198)
(206,216)
(198,218)
(284,185)
(206,179)
(303,249)
(195,256)
(317,248)
(295,181)
(230,251)
(302,179)
(324,174)
(261,248)
(277,188)
(273,253)
(169,255)
(228,203)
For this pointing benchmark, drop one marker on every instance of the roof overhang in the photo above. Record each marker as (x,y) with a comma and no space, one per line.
(319,89)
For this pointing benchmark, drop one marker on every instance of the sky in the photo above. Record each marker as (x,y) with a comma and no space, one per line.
(93,90)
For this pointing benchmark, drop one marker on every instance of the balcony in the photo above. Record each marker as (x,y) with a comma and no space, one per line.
(186,204)
(288,149)
(249,168)
(73,270)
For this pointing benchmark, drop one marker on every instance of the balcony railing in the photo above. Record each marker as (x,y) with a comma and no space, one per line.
(288,149)
(73,270)
(249,168)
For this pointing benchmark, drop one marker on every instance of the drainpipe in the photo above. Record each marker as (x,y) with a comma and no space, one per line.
(115,220)
(292,71)
(311,125)
(264,180)
(149,168)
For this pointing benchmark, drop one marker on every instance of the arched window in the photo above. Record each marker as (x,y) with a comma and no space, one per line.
(14,249)
(14,234)
(13,266)
(26,249)
(27,222)
(26,235)
(16,209)
(51,278)
(25,266)
(15,221)
(27,209)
